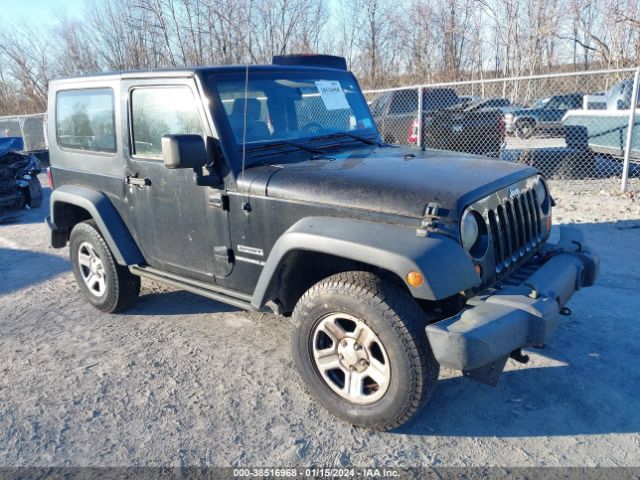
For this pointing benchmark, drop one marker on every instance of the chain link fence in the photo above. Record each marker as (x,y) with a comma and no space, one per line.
(29,127)
(576,126)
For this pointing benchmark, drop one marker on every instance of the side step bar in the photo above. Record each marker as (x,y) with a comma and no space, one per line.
(214,292)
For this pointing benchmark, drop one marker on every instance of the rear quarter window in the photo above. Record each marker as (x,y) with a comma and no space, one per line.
(85,119)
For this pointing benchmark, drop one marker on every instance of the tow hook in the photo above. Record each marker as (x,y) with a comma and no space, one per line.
(519,357)
(565,311)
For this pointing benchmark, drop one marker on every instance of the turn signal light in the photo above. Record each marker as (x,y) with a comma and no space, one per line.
(415,279)
(478,270)
(549,223)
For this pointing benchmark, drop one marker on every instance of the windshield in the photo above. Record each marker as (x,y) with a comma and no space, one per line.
(290,106)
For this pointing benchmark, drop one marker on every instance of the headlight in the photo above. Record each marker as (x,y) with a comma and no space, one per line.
(542,196)
(469,230)
(474,234)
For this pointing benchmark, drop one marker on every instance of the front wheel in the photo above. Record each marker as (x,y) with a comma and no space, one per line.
(360,346)
(34,193)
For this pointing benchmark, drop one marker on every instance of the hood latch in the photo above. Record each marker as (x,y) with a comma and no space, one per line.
(429,219)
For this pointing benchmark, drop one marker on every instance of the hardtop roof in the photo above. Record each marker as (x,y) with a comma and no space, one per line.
(182,72)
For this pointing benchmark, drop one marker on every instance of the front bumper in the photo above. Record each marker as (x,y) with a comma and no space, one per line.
(10,200)
(480,339)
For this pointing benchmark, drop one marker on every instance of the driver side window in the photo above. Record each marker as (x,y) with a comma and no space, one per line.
(158,111)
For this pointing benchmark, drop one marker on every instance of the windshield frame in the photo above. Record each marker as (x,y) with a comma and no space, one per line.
(226,136)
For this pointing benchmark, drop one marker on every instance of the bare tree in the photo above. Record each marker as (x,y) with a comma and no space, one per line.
(28,64)
(385,42)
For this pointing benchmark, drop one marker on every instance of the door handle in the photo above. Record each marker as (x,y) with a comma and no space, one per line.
(138,182)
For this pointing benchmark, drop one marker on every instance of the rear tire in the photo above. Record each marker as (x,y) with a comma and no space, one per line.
(372,331)
(34,193)
(105,284)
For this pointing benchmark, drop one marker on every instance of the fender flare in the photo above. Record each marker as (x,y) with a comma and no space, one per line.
(444,264)
(111,226)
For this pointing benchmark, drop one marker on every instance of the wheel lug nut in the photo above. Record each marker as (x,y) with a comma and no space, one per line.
(352,368)
(364,363)
(345,343)
(357,346)
(341,357)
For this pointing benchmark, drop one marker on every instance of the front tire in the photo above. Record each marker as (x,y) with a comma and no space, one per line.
(360,346)
(34,193)
(105,284)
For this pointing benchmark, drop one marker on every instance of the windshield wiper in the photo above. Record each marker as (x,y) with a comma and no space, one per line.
(368,141)
(280,143)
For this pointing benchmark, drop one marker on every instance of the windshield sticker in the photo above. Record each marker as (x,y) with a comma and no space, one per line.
(366,122)
(332,95)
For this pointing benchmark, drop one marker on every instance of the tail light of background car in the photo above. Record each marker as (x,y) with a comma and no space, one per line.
(412,138)
(412,134)
(50,178)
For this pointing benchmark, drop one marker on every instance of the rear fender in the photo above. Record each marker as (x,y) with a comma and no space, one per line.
(101,210)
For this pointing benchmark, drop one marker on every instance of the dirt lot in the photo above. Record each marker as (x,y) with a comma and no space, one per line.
(182,380)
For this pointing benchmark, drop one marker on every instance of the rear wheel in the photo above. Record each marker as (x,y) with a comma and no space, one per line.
(360,346)
(105,284)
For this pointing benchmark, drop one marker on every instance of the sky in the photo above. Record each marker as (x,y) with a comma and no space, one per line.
(39,10)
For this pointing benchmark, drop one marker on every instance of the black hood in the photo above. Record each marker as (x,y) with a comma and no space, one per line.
(388,179)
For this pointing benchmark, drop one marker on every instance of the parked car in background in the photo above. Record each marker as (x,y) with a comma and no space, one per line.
(604,131)
(476,128)
(447,124)
(544,116)
(19,184)
(396,111)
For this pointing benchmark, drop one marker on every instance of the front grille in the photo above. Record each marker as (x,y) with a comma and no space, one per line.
(516,228)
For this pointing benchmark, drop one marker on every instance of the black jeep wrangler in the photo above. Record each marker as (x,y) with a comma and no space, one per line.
(268,187)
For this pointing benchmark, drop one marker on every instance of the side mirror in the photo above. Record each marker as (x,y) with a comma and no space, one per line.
(184,151)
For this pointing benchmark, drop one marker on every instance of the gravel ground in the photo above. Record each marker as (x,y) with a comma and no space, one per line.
(181,380)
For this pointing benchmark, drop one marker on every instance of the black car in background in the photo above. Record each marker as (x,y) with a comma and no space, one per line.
(396,111)
(476,127)
(447,124)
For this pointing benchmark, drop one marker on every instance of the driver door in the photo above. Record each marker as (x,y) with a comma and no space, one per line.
(179,226)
